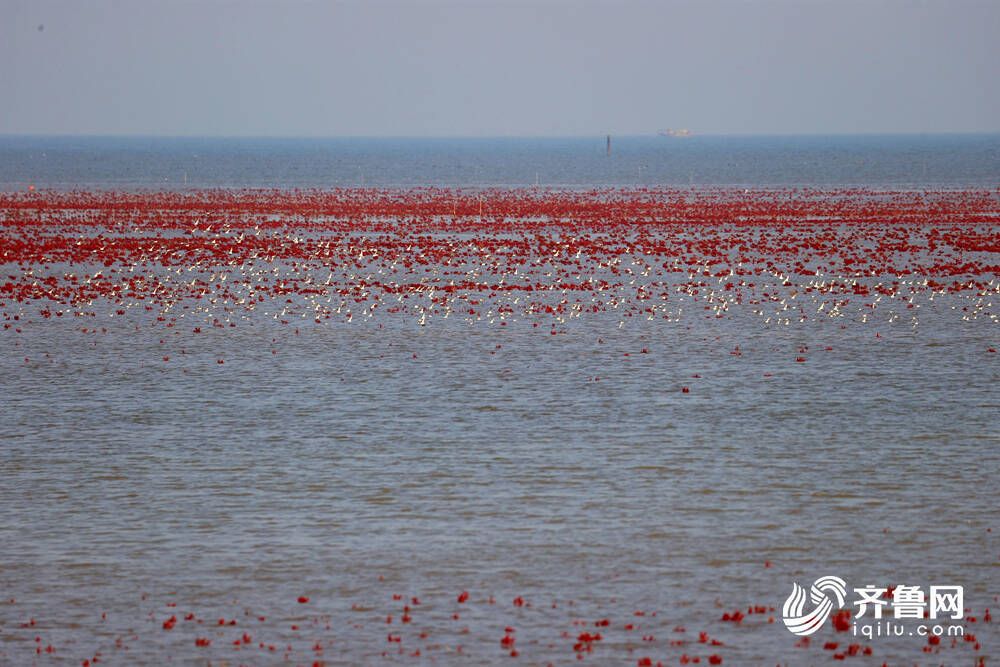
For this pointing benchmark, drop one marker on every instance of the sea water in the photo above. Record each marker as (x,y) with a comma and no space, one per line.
(362,467)
(878,161)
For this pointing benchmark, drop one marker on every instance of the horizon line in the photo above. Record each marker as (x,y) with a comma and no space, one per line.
(694,135)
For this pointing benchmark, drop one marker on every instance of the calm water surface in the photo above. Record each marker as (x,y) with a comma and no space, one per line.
(887,161)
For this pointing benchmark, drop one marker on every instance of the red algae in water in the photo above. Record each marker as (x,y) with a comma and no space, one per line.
(164,261)
(358,255)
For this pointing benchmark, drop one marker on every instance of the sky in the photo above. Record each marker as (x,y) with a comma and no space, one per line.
(497,68)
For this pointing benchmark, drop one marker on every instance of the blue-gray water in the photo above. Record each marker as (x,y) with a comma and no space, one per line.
(874,161)
(358,463)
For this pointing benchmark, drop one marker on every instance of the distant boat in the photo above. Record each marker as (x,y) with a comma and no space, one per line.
(679,132)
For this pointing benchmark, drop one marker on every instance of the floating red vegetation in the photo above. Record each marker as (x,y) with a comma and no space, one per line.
(435,636)
(225,259)
(496,255)
(841,620)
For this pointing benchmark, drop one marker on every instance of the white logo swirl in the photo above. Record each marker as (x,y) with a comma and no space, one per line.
(806,624)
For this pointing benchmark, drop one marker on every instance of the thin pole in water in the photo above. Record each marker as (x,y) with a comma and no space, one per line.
(609,144)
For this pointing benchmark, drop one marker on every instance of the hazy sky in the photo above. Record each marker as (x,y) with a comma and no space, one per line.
(478,67)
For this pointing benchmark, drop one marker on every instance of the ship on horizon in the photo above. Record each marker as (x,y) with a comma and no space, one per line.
(675,132)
